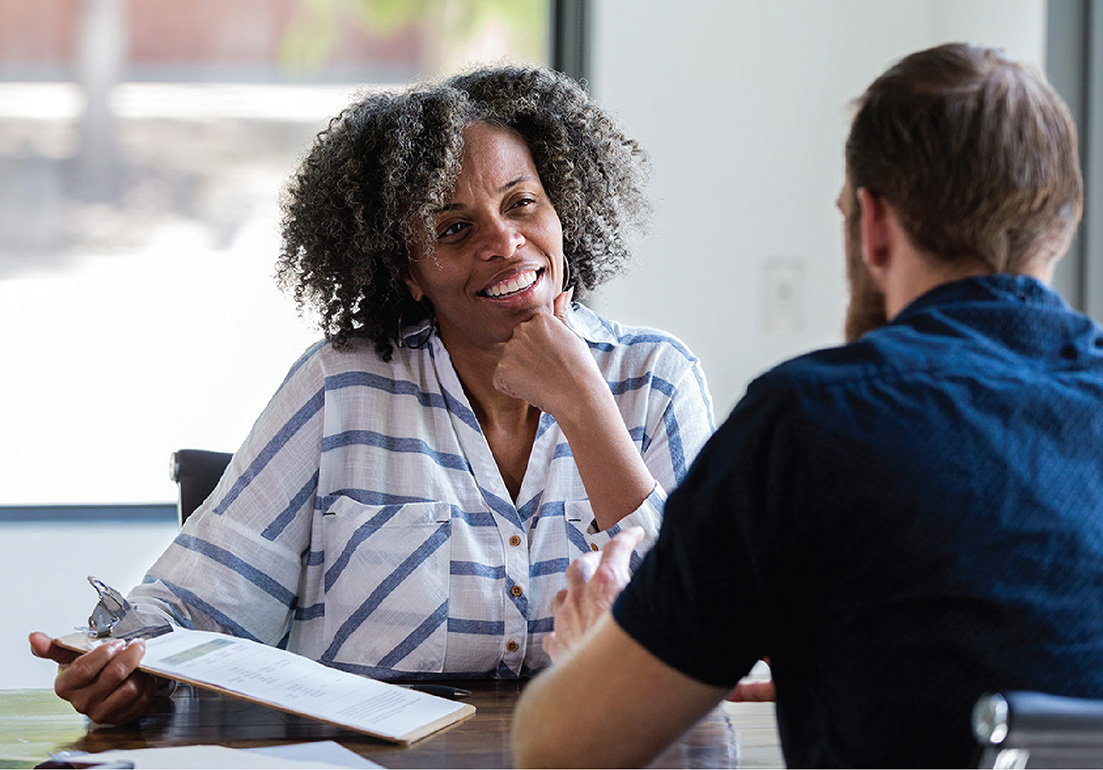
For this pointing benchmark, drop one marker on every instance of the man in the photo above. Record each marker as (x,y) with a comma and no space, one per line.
(899,524)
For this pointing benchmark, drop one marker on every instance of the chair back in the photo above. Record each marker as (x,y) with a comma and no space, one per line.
(196,473)
(1018,729)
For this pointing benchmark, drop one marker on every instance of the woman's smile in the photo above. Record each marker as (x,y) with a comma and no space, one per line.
(513,286)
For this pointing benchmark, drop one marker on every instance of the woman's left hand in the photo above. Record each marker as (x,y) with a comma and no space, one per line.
(547,364)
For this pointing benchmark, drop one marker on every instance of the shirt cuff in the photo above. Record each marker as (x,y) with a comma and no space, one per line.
(648,515)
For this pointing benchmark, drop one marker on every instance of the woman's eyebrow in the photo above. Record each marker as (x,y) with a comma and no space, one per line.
(515,182)
(504,188)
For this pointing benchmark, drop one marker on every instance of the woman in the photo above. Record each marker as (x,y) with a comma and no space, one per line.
(408,502)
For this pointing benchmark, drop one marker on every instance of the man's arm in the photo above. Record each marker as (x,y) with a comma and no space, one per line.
(611,703)
(607,702)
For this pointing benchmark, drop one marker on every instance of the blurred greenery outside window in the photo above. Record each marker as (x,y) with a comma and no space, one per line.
(143,148)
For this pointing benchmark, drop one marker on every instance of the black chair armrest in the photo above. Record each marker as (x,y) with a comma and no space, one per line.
(1031,729)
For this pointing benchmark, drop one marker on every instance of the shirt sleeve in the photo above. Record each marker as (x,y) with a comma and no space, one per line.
(703,598)
(236,564)
(673,437)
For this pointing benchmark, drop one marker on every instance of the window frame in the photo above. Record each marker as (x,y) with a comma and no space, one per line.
(1074,65)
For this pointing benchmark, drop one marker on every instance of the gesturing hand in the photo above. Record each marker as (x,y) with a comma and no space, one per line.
(753,692)
(546,363)
(594,580)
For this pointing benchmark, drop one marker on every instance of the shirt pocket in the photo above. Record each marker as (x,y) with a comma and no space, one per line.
(579,518)
(560,537)
(386,586)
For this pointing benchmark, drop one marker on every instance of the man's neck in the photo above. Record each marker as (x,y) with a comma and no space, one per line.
(918,273)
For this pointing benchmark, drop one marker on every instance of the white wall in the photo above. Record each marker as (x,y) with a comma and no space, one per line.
(43,573)
(743,108)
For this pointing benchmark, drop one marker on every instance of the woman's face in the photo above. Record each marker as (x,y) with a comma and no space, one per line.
(499,250)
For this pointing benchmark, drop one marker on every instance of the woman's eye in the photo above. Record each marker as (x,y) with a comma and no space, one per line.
(452,229)
(523,202)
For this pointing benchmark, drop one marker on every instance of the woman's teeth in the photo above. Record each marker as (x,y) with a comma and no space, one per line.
(513,285)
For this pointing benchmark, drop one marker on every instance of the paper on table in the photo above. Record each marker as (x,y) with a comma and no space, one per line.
(291,682)
(195,757)
(326,752)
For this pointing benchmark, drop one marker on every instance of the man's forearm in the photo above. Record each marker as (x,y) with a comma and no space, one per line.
(611,703)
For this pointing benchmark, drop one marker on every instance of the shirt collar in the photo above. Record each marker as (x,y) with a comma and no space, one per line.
(1000,286)
(590,326)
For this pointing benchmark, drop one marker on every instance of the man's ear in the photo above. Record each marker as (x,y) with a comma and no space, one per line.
(877,233)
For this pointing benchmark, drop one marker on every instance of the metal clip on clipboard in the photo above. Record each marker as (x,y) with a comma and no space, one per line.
(113,616)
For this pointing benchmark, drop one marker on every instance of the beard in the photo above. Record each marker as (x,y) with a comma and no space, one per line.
(866,309)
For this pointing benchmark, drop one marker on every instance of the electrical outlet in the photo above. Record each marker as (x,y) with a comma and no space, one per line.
(783,296)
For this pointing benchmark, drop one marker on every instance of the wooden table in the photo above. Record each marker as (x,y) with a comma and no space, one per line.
(34,722)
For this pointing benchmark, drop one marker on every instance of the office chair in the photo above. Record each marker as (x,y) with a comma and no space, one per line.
(196,472)
(1019,729)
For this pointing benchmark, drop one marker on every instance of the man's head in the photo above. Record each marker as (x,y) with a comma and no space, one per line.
(975,153)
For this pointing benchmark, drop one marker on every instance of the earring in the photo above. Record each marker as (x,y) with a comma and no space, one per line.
(421,332)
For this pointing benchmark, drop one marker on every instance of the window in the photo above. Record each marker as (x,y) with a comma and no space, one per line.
(143,147)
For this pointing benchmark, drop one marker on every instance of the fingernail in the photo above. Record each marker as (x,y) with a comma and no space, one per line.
(115,646)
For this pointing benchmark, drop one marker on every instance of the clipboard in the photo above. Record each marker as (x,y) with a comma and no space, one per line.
(272,677)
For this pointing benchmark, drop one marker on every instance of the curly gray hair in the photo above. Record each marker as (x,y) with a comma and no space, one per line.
(375,177)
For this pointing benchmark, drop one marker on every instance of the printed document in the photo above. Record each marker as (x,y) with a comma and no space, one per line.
(291,682)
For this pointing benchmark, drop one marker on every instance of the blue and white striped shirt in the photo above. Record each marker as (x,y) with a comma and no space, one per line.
(364,522)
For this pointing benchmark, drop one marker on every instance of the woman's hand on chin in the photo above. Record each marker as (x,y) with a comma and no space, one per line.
(547,364)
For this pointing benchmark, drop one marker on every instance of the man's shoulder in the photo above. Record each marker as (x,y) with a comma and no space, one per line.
(898,352)
(874,356)
(978,329)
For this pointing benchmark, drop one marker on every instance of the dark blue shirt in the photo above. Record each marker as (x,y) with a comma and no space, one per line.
(901,524)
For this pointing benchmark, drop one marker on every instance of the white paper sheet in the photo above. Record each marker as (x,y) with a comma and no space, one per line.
(327,752)
(199,757)
(295,683)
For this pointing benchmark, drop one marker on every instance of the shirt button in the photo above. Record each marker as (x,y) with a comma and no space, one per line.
(515,541)
(516,590)
(512,646)
(593,547)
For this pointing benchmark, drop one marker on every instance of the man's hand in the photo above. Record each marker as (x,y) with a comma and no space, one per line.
(752,692)
(594,580)
(104,683)
(757,690)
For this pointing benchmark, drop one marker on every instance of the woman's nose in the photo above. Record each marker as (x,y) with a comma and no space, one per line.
(502,240)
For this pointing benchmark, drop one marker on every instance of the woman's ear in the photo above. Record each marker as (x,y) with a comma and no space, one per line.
(412,285)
